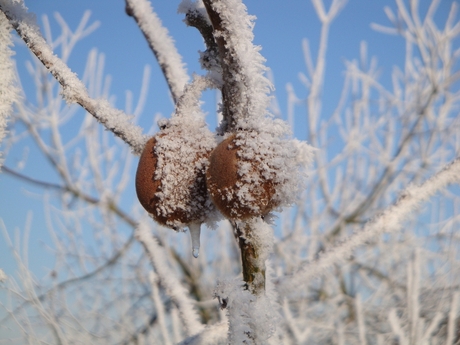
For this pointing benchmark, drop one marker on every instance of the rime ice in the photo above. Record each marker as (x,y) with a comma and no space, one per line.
(8,91)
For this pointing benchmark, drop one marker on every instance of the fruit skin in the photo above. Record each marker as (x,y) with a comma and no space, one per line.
(238,196)
(146,185)
(188,202)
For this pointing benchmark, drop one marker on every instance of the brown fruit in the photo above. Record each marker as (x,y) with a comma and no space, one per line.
(238,196)
(170,181)
(146,185)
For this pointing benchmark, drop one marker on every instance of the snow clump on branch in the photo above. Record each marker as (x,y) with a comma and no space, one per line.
(251,318)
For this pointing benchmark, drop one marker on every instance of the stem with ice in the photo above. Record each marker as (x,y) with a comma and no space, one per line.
(255,240)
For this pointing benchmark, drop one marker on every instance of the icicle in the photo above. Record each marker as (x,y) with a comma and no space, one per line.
(195,229)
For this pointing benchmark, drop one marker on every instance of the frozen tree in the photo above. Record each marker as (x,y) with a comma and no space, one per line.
(365,250)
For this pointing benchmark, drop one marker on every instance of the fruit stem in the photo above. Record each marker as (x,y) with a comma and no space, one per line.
(253,266)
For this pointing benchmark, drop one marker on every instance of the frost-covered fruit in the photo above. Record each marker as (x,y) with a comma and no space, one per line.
(146,185)
(238,195)
(172,190)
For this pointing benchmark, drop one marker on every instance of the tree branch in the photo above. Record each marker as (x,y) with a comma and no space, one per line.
(253,268)
(390,220)
(245,88)
(161,44)
(73,90)
(168,280)
(230,98)
(8,90)
(210,59)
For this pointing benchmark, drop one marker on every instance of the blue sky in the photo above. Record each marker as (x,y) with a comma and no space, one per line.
(280,28)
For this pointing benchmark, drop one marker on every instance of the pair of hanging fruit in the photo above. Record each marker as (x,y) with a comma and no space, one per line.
(182,176)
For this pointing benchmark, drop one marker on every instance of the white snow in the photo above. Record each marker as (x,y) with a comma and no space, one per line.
(251,318)
(212,335)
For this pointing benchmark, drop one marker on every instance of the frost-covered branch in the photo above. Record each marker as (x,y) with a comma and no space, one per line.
(161,43)
(8,91)
(391,220)
(245,89)
(160,308)
(168,280)
(73,89)
(196,16)
(214,334)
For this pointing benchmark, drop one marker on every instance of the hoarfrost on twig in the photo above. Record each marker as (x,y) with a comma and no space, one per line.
(8,89)
(73,89)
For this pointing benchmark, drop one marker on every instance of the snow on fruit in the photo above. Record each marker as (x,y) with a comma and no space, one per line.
(170,178)
(238,195)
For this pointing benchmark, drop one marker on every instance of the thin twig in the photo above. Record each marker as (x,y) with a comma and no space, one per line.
(161,44)
(210,59)
(169,281)
(76,193)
